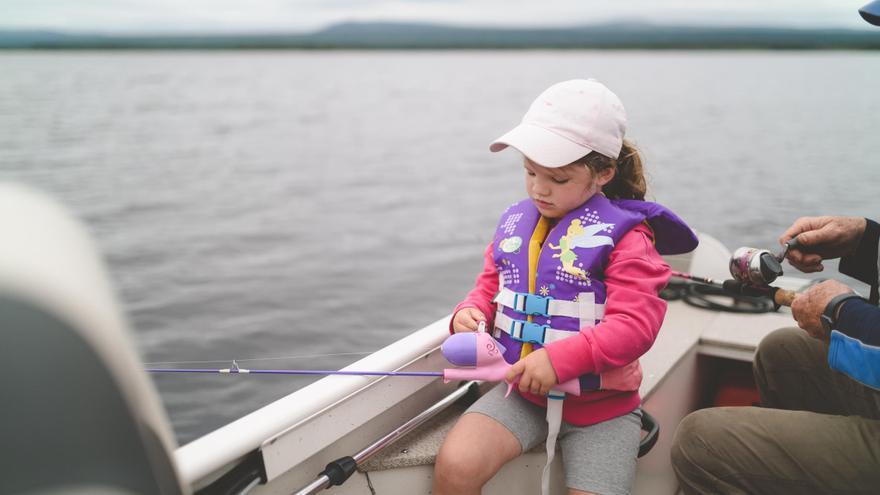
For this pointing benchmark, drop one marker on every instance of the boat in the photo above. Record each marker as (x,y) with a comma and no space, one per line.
(91,418)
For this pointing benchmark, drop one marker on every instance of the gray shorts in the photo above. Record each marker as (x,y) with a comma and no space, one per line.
(599,458)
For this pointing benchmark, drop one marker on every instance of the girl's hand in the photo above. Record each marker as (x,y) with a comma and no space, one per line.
(467,320)
(538,375)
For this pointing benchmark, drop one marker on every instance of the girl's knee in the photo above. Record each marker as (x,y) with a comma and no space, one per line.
(455,471)
(467,460)
(463,457)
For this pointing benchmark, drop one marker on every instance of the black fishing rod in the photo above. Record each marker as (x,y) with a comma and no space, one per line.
(752,269)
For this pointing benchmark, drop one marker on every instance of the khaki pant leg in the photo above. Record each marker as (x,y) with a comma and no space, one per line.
(792,372)
(773,451)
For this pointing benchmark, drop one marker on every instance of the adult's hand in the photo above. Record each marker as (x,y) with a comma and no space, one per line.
(809,306)
(823,238)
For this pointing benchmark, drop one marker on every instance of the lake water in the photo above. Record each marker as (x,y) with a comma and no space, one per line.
(286,204)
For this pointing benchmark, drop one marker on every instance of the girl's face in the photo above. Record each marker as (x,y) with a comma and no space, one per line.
(557,191)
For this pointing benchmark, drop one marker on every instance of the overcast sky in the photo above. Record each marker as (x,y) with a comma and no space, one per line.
(307,15)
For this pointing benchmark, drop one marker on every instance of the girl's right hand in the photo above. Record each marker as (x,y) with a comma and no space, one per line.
(467,320)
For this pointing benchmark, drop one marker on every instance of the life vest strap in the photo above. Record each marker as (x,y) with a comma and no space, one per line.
(527,331)
(532,304)
(554,421)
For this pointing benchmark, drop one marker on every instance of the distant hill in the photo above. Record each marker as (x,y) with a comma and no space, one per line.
(428,36)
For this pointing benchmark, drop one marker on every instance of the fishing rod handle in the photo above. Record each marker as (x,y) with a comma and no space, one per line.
(780,297)
(784,297)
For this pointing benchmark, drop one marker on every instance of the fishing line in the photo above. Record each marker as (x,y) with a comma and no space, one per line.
(301,356)
(235,370)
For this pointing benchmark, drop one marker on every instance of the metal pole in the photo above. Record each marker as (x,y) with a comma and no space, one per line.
(253,484)
(323,481)
(316,486)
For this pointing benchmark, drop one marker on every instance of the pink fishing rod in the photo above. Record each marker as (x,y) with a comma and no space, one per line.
(479,355)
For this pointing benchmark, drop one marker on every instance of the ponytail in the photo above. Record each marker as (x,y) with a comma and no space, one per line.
(629,178)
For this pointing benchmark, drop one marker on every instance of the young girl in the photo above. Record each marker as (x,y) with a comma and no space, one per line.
(570,289)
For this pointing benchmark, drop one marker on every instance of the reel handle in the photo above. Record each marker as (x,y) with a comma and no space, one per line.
(792,243)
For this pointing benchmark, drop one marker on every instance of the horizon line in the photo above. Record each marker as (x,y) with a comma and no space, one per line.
(431,24)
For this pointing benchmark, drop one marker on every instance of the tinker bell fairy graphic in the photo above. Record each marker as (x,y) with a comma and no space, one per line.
(583,237)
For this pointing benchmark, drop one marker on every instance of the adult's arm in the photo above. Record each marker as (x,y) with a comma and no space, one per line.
(860,320)
(855,344)
(863,264)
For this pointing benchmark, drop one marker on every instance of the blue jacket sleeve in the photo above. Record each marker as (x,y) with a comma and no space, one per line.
(858,360)
(855,344)
(860,320)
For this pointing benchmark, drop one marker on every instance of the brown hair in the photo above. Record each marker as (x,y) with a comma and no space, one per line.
(629,178)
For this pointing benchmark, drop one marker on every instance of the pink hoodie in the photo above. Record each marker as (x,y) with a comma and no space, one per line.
(633,315)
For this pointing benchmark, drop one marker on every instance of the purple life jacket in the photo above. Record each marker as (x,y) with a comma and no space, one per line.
(569,291)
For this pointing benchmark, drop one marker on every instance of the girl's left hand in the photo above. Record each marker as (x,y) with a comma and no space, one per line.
(537,373)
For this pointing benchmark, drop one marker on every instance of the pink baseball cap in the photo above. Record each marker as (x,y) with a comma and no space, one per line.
(567,121)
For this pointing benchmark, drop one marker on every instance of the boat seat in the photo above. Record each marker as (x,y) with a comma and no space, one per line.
(78,415)
(67,426)
(420,447)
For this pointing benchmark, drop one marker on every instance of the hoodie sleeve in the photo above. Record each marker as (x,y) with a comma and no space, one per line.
(634,311)
(484,291)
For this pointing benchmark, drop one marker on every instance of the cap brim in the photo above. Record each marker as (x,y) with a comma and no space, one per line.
(541,146)
(871,12)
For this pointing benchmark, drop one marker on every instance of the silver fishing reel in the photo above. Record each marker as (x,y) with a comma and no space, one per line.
(754,266)
(758,267)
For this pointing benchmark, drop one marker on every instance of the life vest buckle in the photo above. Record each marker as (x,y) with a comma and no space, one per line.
(527,331)
(532,304)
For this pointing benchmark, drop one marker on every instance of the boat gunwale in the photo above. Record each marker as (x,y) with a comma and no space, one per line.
(206,456)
